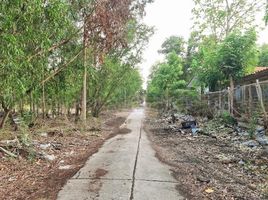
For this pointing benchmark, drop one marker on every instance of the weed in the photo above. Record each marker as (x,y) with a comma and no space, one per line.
(227,118)
(252,125)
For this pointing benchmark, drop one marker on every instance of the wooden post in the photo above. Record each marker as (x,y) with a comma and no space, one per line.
(231,95)
(259,93)
(220,101)
(250,101)
(229,100)
(243,89)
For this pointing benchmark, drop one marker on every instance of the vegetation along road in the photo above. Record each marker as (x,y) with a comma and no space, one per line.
(133,99)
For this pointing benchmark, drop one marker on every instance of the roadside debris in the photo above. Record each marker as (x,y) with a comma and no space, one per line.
(39,165)
(211,159)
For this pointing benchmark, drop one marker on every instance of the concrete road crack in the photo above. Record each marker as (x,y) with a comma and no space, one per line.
(135,166)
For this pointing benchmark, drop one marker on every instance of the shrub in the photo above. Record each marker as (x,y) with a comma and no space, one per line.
(227,118)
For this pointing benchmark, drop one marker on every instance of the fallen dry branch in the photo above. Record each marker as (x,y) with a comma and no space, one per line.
(8,152)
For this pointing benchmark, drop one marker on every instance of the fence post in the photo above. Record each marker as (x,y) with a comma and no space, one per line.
(250,100)
(259,93)
(229,100)
(220,107)
(244,95)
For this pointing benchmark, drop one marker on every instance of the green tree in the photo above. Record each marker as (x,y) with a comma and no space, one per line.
(30,31)
(165,80)
(217,63)
(221,17)
(173,44)
(118,68)
(263,55)
(204,65)
(237,55)
(106,27)
(48,48)
(193,44)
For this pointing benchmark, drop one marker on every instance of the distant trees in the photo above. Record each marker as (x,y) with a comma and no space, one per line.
(218,18)
(173,44)
(165,80)
(218,63)
(263,56)
(227,45)
(221,49)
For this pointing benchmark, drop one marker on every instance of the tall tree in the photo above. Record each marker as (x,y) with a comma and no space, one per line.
(30,31)
(236,56)
(105,29)
(165,80)
(173,44)
(204,65)
(263,56)
(221,17)
(266,13)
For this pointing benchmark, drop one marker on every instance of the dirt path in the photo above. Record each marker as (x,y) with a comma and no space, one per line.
(124,168)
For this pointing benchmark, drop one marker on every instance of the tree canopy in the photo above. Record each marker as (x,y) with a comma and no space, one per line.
(173,44)
(48,48)
(263,55)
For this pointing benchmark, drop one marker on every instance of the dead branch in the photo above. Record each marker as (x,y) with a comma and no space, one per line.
(8,152)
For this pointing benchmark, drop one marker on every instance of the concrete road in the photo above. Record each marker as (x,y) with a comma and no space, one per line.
(124,168)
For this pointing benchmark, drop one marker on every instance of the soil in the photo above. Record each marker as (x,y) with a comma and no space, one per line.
(36,178)
(209,167)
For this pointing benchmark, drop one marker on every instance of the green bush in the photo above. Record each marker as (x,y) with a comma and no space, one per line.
(199,108)
(252,125)
(227,118)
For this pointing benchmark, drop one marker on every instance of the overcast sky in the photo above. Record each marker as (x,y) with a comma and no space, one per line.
(171,17)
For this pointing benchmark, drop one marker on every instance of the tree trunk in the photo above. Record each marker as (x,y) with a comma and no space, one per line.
(31,102)
(95,111)
(69,111)
(77,110)
(58,108)
(37,108)
(21,107)
(6,114)
(43,101)
(12,122)
(84,91)
(231,95)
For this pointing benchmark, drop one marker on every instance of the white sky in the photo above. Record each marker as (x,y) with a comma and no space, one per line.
(171,17)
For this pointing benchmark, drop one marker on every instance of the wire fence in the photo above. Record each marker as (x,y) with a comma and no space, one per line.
(248,100)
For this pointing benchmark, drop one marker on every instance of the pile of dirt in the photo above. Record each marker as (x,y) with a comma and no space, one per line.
(59,154)
(210,166)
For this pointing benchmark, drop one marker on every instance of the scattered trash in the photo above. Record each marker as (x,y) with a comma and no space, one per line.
(260,129)
(263,140)
(45,146)
(188,124)
(49,157)
(194,130)
(251,143)
(241,162)
(243,133)
(203,179)
(65,167)
(43,134)
(69,153)
(226,159)
(235,155)
(209,190)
